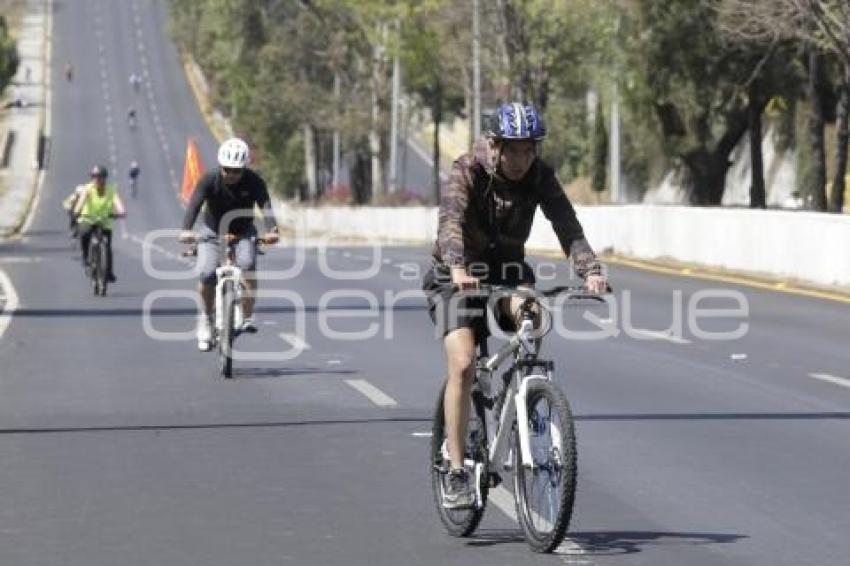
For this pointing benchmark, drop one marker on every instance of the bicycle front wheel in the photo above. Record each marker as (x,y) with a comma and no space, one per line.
(545,489)
(459,522)
(225,339)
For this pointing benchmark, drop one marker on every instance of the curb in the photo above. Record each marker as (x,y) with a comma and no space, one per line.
(19,204)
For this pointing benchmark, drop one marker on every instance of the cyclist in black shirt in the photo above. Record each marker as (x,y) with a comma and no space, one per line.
(230,194)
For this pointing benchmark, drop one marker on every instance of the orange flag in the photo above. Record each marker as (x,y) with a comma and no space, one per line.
(193,168)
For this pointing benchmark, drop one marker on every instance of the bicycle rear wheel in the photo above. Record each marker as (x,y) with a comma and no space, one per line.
(93,267)
(225,339)
(103,267)
(545,492)
(459,522)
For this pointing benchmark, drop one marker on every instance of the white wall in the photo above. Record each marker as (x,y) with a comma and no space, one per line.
(808,246)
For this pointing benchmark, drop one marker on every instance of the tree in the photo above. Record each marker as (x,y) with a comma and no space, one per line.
(600,151)
(823,27)
(700,87)
(433,70)
(9,59)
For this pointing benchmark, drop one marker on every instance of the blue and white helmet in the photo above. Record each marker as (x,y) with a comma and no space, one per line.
(516,121)
(234,153)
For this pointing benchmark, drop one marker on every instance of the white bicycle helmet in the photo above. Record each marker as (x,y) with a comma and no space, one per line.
(234,153)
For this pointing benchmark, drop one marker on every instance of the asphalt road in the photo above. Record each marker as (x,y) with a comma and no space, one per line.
(119,444)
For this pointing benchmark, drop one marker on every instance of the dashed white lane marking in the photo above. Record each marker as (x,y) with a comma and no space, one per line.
(658,335)
(834,379)
(422,434)
(738,357)
(374,394)
(504,500)
(294,341)
(9,301)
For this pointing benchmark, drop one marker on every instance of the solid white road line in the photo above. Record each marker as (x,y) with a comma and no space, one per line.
(842,381)
(374,394)
(10,303)
(658,335)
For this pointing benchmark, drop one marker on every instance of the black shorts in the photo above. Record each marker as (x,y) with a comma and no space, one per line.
(450,310)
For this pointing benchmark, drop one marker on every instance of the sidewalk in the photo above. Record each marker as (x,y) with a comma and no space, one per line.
(19,179)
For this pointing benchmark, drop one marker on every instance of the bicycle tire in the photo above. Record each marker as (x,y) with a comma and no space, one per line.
(458,522)
(103,273)
(93,266)
(225,340)
(555,467)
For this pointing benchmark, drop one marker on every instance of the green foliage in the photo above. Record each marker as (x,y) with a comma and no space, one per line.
(683,87)
(9,58)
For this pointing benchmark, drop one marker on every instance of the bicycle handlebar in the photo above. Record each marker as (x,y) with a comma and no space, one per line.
(573,291)
(227,239)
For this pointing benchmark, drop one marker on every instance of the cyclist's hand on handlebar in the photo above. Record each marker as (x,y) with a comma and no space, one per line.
(596,284)
(270,238)
(186,237)
(463,280)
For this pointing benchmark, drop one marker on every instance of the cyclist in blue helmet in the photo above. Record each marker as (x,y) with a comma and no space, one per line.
(485,219)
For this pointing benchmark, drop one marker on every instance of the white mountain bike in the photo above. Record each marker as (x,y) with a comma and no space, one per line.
(519,425)
(229,289)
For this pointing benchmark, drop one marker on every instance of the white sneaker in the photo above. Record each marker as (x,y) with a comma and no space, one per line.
(204,333)
(248,325)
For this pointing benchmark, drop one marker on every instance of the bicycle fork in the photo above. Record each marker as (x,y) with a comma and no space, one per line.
(515,404)
(224,275)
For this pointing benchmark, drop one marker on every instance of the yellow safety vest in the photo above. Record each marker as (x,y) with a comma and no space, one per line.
(98,208)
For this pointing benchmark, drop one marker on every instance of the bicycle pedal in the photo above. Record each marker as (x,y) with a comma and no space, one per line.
(494,480)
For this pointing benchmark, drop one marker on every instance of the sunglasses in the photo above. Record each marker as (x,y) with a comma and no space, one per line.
(232,170)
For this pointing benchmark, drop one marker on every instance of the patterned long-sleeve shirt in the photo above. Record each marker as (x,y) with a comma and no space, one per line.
(487,218)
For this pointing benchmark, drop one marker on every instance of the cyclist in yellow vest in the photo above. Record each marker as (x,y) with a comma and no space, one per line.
(99,204)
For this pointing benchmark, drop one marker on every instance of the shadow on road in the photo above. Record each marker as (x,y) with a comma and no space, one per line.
(262,373)
(630,542)
(607,542)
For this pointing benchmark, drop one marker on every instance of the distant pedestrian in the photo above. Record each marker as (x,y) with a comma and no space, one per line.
(27,73)
(69,72)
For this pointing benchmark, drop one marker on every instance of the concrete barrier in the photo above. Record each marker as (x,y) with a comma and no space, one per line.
(807,246)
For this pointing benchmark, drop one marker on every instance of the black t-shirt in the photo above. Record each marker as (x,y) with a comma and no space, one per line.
(221,199)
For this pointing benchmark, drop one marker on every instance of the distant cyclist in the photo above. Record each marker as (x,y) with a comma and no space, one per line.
(135,81)
(134,176)
(69,72)
(98,204)
(233,188)
(131,117)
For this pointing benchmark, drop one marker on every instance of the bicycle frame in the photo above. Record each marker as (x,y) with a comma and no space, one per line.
(514,408)
(227,271)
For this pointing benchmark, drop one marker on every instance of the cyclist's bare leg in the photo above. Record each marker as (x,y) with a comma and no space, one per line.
(460,355)
(207,293)
(249,297)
